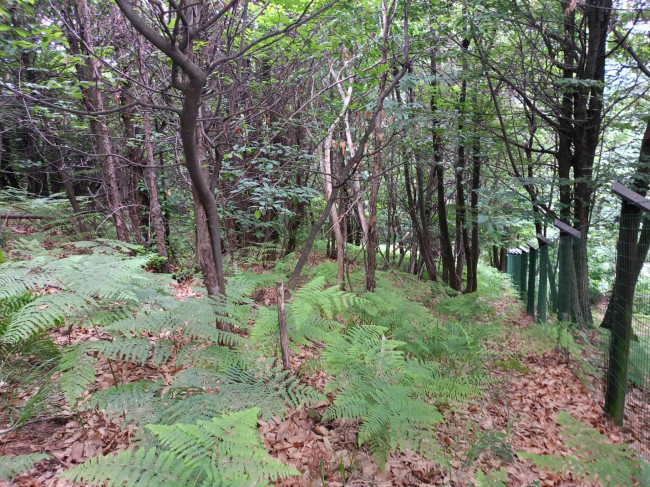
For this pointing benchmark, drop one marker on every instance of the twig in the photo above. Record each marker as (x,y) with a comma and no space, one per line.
(36,420)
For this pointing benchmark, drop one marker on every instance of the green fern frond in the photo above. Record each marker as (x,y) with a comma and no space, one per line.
(77,374)
(19,283)
(270,388)
(210,333)
(195,407)
(44,313)
(12,466)
(227,449)
(364,344)
(492,479)
(134,350)
(162,350)
(154,322)
(10,305)
(135,403)
(214,357)
(144,468)
(195,378)
(374,383)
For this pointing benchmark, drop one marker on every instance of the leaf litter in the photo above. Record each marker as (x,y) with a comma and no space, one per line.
(517,413)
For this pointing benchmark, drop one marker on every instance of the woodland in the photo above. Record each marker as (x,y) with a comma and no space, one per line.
(265,242)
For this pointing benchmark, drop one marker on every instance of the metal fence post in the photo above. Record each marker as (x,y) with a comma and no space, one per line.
(532,271)
(544,264)
(566,286)
(523,272)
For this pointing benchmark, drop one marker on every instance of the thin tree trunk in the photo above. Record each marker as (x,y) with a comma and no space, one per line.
(94,103)
(326,171)
(447,253)
(155,210)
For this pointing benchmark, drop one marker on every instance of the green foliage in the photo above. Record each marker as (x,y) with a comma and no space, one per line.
(226,451)
(77,373)
(311,315)
(189,397)
(492,479)
(594,457)
(373,383)
(11,466)
(157,262)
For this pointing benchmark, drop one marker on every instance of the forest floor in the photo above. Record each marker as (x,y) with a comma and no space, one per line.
(531,380)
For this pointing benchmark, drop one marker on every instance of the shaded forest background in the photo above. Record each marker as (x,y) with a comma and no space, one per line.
(429,133)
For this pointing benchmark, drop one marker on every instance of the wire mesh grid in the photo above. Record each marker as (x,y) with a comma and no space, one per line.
(627,395)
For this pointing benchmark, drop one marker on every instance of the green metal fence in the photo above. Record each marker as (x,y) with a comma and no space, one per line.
(544,276)
(627,395)
(529,267)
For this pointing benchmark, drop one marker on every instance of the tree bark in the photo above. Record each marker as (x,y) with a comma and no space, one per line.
(449,276)
(94,102)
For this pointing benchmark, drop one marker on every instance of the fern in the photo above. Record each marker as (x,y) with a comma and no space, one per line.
(372,383)
(226,451)
(77,374)
(492,479)
(137,403)
(145,468)
(272,389)
(594,456)
(42,314)
(310,315)
(12,466)
(212,357)
(130,349)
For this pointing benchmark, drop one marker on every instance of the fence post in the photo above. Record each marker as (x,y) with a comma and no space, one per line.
(523,272)
(532,271)
(544,263)
(516,264)
(566,287)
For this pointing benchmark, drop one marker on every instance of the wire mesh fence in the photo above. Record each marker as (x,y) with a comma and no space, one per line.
(530,269)
(546,279)
(627,392)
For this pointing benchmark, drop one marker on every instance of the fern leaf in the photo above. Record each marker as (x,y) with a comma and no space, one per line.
(144,468)
(136,403)
(211,356)
(77,374)
(13,466)
(230,446)
(270,388)
(42,314)
(134,350)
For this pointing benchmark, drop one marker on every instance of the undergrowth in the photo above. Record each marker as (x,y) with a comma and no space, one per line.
(593,456)
(398,358)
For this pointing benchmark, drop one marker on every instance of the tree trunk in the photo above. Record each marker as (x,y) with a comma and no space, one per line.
(193,162)
(449,276)
(472,283)
(326,172)
(155,210)
(93,99)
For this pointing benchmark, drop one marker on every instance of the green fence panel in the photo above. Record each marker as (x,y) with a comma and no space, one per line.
(544,263)
(523,276)
(532,271)
(565,272)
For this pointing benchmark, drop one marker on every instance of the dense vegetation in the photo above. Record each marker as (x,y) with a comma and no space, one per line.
(170,162)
